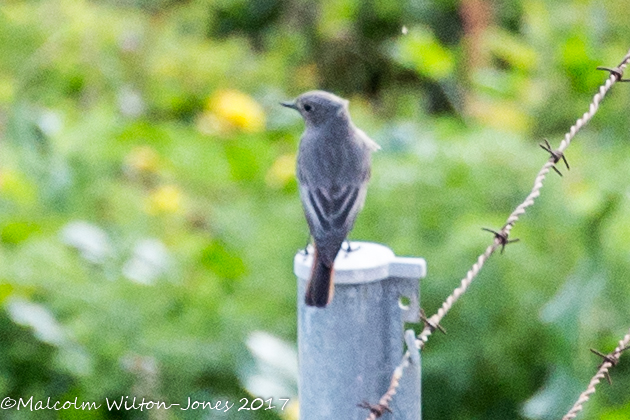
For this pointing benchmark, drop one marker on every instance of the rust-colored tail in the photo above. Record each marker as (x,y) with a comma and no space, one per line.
(320,288)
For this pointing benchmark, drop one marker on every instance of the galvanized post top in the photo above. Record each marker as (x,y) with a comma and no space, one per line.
(367,262)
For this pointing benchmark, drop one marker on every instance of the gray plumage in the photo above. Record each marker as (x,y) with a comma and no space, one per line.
(333,169)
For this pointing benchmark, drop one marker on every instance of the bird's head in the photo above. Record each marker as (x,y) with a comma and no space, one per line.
(318,107)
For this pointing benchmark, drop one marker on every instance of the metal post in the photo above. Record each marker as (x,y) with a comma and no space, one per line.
(348,350)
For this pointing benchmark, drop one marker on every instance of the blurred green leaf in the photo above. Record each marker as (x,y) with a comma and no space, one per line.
(18,231)
(224,263)
(421,51)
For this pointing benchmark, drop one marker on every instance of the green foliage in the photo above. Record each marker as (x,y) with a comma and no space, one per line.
(149,214)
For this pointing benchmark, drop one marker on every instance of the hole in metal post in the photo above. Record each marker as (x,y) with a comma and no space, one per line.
(404,302)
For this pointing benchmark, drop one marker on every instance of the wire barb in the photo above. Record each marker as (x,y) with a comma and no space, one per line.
(502,237)
(556,155)
(609,361)
(378,410)
(430,324)
(616,71)
(612,358)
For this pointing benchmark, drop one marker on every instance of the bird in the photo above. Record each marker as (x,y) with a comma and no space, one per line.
(333,169)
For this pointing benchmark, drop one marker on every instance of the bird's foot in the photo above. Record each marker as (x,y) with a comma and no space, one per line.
(348,249)
(305,251)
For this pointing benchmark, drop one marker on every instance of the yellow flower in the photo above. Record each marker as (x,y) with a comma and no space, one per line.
(15,186)
(143,159)
(7,91)
(292,411)
(165,199)
(282,171)
(234,110)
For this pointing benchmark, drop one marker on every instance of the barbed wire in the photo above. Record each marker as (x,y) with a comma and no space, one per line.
(500,237)
(610,360)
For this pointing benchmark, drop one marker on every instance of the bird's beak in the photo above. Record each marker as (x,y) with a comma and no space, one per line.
(292,105)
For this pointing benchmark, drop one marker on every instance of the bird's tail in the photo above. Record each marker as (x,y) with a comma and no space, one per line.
(320,288)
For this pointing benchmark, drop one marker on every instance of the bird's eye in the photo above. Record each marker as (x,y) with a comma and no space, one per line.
(307,107)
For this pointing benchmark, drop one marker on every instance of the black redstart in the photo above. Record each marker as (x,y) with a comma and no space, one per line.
(333,169)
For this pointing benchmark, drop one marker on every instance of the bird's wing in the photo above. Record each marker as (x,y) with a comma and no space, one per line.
(371,144)
(331,211)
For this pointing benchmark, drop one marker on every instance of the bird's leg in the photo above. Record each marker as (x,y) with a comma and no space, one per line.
(349,248)
(308,241)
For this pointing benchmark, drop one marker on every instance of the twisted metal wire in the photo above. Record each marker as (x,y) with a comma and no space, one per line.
(501,238)
(609,361)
